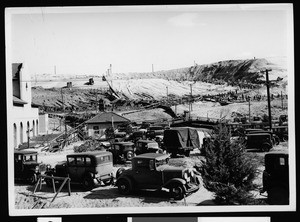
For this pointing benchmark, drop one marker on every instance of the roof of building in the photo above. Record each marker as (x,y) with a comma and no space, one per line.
(16,100)
(107,117)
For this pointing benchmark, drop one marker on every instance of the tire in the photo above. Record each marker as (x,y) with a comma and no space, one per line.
(48,181)
(119,172)
(176,191)
(265,148)
(32,178)
(129,155)
(88,182)
(124,186)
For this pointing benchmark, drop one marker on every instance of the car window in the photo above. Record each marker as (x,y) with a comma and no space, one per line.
(30,158)
(71,161)
(80,161)
(142,164)
(88,161)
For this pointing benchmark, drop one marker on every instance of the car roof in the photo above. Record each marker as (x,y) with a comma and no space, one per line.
(124,143)
(25,152)
(147,141)
(96,153)
(157,156)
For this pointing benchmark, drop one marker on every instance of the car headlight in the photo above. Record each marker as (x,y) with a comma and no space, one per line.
(37,169)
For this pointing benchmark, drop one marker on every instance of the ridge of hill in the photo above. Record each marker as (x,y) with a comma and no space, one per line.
(229,71)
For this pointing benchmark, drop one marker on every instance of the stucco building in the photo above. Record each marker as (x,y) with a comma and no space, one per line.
(97,125)
(24,115)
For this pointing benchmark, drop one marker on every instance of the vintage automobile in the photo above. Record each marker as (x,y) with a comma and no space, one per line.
(276,178)
(261,141)
(274,137)
(154,130)
(152,171)
(26,166)
(181,140)
(281,132)
(86,168)
(147,146)
(122,151)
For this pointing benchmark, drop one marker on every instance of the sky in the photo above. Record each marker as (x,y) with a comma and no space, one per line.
(87,40)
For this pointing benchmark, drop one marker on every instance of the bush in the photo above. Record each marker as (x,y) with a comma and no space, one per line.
(227,171)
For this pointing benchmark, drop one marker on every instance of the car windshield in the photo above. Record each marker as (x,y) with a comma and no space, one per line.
(152,145)
(155,128)
(160,163)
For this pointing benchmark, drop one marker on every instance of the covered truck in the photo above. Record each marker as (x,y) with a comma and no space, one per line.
(181,140)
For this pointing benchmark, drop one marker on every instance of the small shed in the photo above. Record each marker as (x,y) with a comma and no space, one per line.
(97,125)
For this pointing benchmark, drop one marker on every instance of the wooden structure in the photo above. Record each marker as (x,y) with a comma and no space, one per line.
(53,178)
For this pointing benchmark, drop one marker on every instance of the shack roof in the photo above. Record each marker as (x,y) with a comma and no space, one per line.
(107,117)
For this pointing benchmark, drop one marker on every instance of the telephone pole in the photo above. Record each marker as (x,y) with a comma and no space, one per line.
(268,95)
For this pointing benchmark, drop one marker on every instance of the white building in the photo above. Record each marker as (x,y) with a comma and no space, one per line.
(24,115)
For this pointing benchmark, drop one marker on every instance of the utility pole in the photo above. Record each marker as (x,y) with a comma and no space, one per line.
(268,95)
(167,94)
(281,100)
(191,103)
(249,111)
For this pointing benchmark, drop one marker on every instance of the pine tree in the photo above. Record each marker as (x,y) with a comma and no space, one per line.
(227,171)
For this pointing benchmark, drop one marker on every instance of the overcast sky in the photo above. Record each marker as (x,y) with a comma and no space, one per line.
(87,40)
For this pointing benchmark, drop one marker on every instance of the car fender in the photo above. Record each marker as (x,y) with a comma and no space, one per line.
(175,181)
(126,178)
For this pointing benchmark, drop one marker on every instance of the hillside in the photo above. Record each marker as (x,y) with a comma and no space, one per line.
(242,76)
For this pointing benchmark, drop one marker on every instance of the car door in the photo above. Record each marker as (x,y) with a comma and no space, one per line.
(146,175)
(72,168)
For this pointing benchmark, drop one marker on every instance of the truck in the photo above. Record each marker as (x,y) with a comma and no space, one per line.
(181,140)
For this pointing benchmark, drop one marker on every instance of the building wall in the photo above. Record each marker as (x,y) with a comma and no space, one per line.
(24,117)
(44,122)
(102,128)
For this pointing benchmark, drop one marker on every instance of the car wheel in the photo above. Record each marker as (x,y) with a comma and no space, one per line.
(129,155)
(32,178)
(177,191)
(48,181)
(124,186)
(265,148)
(88,182)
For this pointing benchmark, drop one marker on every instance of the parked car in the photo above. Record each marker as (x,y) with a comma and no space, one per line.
(87,168)
(281,132)
(152,171)
(276,178)
(26,166)
(261,141)
(181,140)
(274,137)
(135,136)
(147,146)
(154,131)
(122,151)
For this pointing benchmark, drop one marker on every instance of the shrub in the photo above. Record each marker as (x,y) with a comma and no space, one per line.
(227,171)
